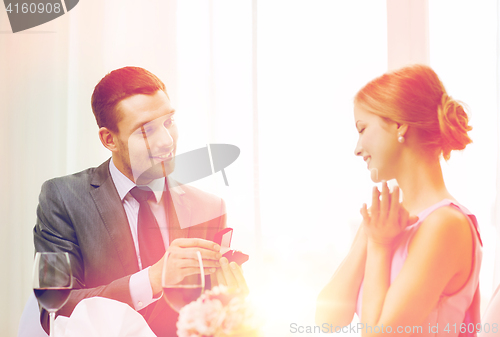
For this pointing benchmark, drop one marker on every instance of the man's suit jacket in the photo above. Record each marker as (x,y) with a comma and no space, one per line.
(82,214)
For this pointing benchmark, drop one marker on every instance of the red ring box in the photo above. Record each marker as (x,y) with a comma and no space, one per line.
(223,239)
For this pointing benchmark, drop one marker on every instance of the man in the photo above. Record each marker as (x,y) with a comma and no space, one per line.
(119,220)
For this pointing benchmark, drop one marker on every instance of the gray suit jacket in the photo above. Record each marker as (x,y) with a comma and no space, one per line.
(82,214)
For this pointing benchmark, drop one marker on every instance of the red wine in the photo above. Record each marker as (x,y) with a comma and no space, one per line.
(52,298)
(179,296)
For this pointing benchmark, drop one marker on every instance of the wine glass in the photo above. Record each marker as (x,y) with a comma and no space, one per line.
(189,289)
(52,282)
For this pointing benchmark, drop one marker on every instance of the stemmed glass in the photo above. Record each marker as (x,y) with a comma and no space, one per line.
(187,290)
(52,282)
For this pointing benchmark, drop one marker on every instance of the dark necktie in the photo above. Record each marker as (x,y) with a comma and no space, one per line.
(151,245)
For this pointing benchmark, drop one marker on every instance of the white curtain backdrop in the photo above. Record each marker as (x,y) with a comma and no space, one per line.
(466,58)
(301,61)
(312,58)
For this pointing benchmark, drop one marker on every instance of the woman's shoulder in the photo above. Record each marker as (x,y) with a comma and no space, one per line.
(447,226)
(446,218)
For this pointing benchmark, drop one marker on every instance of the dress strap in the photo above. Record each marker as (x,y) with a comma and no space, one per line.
(447,202)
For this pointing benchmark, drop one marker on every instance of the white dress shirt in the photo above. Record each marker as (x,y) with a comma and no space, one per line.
(140,287)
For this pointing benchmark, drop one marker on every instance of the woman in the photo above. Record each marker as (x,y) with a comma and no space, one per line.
(413,267)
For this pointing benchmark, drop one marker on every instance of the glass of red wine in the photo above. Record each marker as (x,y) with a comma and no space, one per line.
(179,293)
(52,282)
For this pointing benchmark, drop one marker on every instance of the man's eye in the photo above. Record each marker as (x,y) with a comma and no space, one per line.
(146,131)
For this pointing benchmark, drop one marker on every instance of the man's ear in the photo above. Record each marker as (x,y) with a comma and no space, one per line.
(108,139)
(402,129)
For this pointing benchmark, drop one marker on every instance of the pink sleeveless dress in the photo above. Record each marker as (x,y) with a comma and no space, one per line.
(452,309)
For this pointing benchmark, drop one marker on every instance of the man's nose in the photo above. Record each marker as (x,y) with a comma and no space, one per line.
(164,139)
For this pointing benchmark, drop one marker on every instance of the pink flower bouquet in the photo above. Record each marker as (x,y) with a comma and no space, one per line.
(219,312)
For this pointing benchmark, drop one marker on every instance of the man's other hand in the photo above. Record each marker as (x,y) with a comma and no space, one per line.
(231,275)
(183,261)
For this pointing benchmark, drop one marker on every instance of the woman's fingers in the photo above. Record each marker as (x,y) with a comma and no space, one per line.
(364,214)
(375,203)
(388,217)
(394,208)
(384,201)
(395,197)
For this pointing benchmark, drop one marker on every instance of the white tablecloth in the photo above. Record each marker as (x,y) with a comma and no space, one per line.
(102,317)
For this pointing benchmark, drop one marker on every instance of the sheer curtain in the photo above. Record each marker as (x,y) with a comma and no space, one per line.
(465,57)
(312,58)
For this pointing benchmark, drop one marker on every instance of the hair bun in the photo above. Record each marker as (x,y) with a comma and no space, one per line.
(454,125)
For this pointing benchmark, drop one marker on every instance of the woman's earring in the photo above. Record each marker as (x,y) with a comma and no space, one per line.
(401,139)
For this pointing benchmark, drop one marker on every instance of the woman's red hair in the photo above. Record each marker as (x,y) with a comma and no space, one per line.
(415,96)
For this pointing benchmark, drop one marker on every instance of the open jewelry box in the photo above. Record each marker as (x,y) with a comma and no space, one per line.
(223,238)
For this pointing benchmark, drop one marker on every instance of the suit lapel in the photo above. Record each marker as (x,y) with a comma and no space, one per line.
(113,215)
(178,211)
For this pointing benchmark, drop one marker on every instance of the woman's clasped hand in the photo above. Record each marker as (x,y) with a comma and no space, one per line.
(387,218)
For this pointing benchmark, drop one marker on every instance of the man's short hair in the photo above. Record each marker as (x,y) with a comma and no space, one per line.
(117,86)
